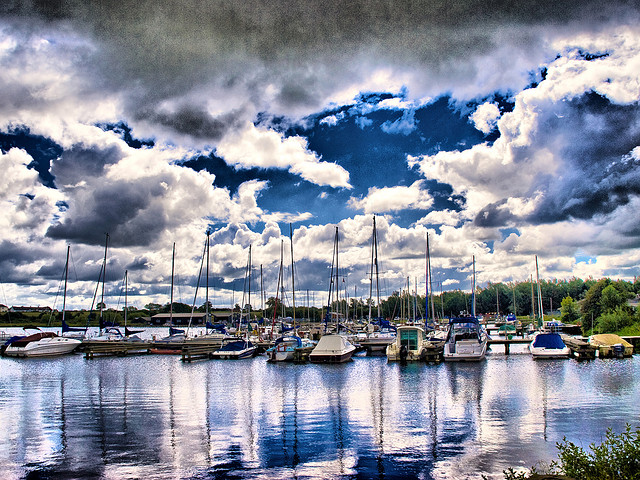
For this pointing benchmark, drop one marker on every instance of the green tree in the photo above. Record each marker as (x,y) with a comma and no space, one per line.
(610,299)
(591,306)
(569,310)
(614,320)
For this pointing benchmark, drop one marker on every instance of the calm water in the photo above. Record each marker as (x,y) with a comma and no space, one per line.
(155,417)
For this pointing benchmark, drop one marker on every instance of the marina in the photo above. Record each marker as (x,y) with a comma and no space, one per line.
(155,416)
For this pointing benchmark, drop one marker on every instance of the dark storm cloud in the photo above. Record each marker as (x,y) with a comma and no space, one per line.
(124,210)
(12,256)
(597,174)
(195,122)
(494,215)
(304,50)
(78,163)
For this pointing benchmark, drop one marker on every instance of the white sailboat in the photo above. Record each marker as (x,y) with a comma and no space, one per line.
(332,348)
(45,344)
(466,338)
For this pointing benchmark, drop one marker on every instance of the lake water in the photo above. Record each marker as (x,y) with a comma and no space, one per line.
(154,417)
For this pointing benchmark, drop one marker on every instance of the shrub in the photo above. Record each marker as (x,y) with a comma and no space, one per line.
(613,321)
(617,458)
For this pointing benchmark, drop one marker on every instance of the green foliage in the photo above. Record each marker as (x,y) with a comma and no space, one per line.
(612,321)
(569,309)
(610,299)
(617,458)
(591,306)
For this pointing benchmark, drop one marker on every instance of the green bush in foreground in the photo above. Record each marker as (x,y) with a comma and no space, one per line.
(617,458)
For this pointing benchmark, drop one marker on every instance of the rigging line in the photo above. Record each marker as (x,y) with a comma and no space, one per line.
(55,301)
(4,296)
(120,295)
(195,296)
(95,294)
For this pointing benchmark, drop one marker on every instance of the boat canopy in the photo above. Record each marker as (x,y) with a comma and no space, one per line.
(67,328)
(288,339)
(235,345)
(466,321)
(548,340)
(331,343)
(175,331)
(219,327)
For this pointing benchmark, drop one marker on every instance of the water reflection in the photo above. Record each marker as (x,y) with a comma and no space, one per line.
(156,417)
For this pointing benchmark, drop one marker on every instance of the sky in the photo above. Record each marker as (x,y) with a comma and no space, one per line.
(505,130)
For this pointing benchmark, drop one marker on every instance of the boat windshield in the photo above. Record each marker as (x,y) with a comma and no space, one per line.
(409,339)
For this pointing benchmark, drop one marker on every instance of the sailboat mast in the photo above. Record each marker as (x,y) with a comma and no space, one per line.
(540,308)
(293,281)
(104,276)
(473,288)
(337,286)
(373,243)
(125,299)
(207,321)
(173,259)
(249,296)
(66,273)
(275,305)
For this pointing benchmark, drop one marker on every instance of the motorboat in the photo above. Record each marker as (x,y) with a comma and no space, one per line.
(235,348)
(285,347)
(549,345)
(466,339)
(409,345)
(610,345)
(41,344)
(332,348)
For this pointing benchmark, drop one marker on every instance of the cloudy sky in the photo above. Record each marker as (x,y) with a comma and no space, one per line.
(504,129)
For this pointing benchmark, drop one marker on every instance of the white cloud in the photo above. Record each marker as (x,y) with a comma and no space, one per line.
(402,126)
(389,199)
(262,148)
(486,117)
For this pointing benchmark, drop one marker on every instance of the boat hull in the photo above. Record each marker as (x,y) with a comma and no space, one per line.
(234,354)
(465,351)
(549,353)
(46,347)
(332,348)
(549,346)
(331,357)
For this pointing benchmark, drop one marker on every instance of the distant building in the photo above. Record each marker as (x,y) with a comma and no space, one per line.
(3,308)
(30,309)
(178,319)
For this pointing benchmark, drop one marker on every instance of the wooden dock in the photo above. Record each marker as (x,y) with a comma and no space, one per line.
(507,342)
(195,351)
(580,348)
(114,348)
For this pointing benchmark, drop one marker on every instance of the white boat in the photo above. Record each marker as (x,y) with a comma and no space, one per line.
(285,347)
(45,344)
(549,345)
(41,344)
(610,345)
(235,348)
(466,340)
(332,348)
(409,345)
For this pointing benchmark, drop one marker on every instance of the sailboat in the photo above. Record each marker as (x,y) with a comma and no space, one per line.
(380,333)
(171,344)
(332,348)
(44,344)
(466,338)
(113,333)
(284,348)
(235,348)
(549,343)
